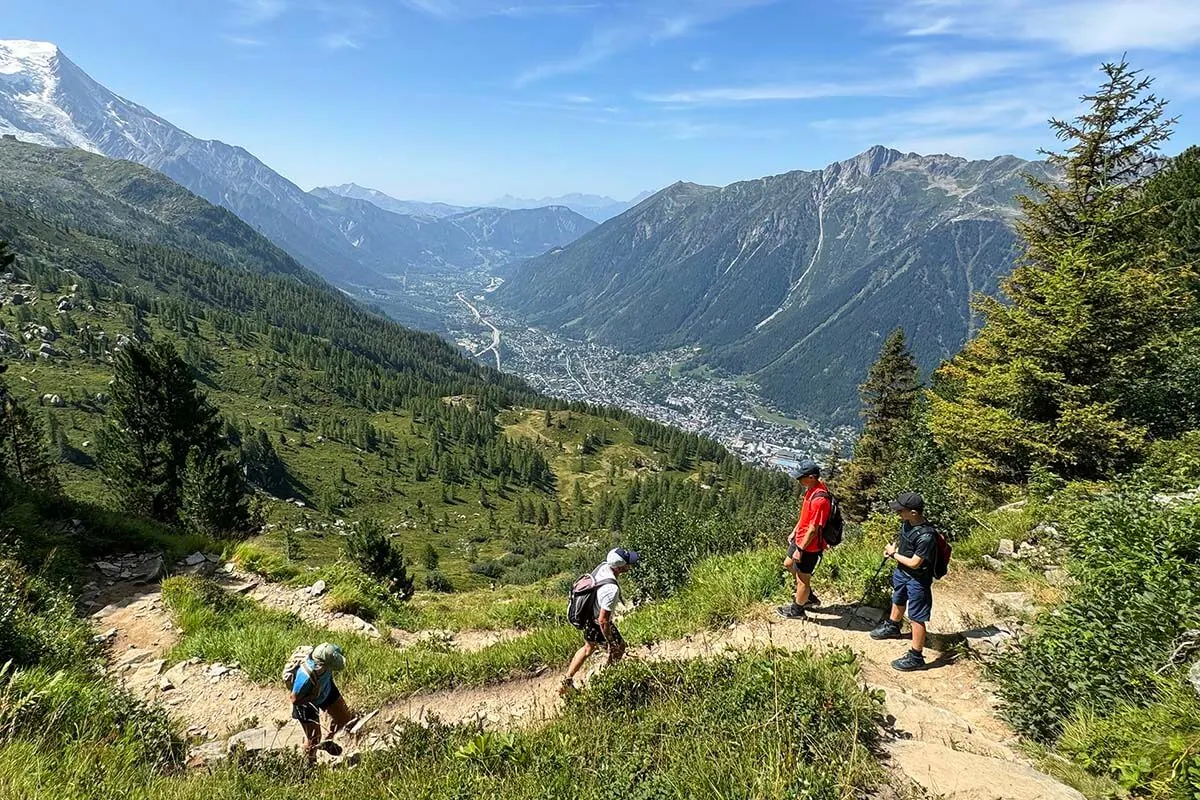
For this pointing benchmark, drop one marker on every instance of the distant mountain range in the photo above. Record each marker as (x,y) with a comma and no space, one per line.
(592,206)
(46,99)
(389,203)
(792,280)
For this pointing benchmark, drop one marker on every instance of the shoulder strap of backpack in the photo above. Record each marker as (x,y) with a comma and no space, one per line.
(605,582)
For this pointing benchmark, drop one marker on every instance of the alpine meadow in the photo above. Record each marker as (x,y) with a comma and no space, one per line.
(258,539)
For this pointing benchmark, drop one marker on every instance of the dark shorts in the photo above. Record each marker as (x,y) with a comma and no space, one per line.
(908,591)
(592,634)
(805,562)
(311,712)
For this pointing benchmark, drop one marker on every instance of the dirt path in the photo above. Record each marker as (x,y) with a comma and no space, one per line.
(943,733)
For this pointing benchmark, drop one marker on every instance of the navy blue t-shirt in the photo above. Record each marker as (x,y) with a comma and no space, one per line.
(918,540)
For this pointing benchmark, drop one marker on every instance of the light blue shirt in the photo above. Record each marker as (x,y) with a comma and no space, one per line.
(311,682)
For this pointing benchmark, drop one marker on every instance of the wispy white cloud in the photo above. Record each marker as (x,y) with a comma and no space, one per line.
(249,13)
(644,23)
(340,41)
(244,41)
(347,25)
(470,9)
(915,70)
(1077,27)
(982,124)
(443,9)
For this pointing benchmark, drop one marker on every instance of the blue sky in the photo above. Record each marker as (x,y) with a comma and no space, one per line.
(465,100)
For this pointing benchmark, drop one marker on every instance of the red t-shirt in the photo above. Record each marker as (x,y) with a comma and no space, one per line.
(813,510)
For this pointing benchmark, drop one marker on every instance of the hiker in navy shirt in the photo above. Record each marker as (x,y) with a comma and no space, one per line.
(915,554)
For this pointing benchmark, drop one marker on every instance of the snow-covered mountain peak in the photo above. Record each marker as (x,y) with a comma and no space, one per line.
(17,55)
(32,75)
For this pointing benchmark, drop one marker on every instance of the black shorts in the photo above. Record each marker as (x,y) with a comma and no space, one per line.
(592,634)
(311,712)
(805,562)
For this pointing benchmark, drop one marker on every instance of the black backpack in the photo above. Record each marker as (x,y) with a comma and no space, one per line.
(835,526)
(581,607)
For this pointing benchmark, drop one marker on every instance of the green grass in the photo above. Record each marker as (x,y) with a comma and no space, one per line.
(720,591)
(724,728)
(220,626)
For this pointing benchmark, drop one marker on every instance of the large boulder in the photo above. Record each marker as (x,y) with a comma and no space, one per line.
(255,740)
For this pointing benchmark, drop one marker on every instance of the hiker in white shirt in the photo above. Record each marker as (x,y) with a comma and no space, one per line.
(599,630)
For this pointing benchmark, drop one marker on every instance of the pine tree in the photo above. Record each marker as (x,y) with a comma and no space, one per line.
(369,546)
(430,557)
(888,395)
(1056,379)
(577,500)
(23,445)
(214,500)
(157,417)
(1112,149)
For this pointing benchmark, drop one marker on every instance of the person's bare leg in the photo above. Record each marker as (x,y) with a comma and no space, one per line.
(339,717)
(897,614)
(918,636)
(803,588)
(581,655)
(616,651)
(312,738)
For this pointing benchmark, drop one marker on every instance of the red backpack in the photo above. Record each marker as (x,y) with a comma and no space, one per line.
(941,564)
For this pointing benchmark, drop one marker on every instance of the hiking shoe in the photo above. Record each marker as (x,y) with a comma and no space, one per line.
(566,687)
(813,601)
(791,611)
(886,630)
(910,661)
(331,747)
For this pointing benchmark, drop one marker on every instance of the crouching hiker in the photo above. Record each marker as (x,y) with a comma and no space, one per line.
(807,541)
(309,674)
(920,555)
(594,597)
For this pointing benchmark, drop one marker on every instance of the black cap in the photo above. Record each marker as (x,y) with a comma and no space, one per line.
(804,468)
(910,501)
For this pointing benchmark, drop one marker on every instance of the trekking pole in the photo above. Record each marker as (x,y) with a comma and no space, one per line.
(867,588)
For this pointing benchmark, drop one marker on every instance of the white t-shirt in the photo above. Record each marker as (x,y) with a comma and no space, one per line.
(609,595)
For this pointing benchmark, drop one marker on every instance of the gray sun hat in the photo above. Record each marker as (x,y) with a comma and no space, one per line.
(330,656)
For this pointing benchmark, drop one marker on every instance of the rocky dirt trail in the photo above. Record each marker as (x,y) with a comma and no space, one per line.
(943,733)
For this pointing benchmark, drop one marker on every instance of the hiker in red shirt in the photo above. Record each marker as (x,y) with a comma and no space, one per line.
(807,544)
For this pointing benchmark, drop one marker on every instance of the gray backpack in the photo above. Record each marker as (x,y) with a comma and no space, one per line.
(297,661)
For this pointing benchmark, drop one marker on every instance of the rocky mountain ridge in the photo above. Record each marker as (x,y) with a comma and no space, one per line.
(792,279)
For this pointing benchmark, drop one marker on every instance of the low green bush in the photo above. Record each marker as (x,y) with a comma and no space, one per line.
(370,547)
(671,543)
(1152,751)
(1136,563)
(438,581)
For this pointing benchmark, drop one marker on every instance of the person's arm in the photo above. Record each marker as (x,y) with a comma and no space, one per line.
(606,623)
(912,562)
(820,515)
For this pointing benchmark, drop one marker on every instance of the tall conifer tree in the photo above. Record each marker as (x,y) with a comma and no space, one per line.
(889,396)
